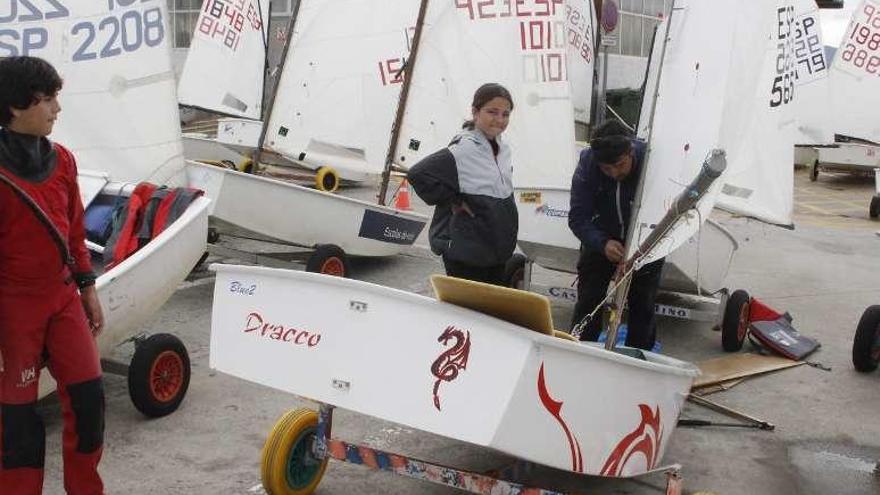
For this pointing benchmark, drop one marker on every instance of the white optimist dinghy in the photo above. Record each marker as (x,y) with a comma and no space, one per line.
(330,90)
(120,118)
(337,87)
(458,373)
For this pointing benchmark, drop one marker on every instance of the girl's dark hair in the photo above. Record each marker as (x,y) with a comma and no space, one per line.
(21,80)
(484,94)
(610,141)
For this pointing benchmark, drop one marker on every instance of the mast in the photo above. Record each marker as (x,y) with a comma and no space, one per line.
(401,105)
(264,23)
(258,153)
(622,289)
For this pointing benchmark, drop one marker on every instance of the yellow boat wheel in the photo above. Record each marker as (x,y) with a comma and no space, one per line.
(327,179)
(288,465)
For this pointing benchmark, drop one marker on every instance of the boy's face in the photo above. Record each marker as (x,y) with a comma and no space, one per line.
(38,119)
(620,169)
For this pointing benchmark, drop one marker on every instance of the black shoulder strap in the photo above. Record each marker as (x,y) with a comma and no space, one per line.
(66,258)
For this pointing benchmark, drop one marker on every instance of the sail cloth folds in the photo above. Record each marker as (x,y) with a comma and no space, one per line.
(760,180)
(341,80)
(119,106)
(855,76)
(812,83)
(711,86)
(537,50)
(224,70)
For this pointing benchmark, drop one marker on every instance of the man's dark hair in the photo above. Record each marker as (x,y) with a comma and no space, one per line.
(610,141)
(21,80)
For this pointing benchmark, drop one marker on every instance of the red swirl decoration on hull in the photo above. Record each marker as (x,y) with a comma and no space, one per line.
(554,407)
(643,440)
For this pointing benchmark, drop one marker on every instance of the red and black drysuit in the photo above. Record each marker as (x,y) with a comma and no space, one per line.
(42,320)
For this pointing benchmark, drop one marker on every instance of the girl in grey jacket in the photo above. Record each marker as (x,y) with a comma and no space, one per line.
(469,182)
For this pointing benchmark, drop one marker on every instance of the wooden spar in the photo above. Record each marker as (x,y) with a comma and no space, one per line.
(258,153)
(401,103)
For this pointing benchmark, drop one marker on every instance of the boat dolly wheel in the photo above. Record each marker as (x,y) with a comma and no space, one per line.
(327,179)
(158,376)
(814,171)
(874,209)
(736,321)
(328,259)
(866,344)
(288,465)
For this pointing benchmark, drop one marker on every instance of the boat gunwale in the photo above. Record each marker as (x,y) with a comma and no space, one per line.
(656,363)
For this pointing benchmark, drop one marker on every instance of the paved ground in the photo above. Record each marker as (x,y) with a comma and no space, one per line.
(827,438)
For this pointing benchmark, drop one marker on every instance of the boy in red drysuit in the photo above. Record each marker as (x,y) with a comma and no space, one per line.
(49,310)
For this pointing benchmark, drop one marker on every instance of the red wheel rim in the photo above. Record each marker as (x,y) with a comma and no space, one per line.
(166,376)
(333,266)
(743,322)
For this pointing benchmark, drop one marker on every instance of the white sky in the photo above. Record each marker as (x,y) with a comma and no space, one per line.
(835,21)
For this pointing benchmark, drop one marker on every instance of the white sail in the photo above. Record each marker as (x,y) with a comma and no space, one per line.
(341,79)
(537,50)
(811,86)
(855,83)
(759,182)
(713,79)
(224,70)
(119,111)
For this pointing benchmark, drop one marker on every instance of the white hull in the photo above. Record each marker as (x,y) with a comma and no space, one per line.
(545,238)
(554,402)
(132,291)
(303,216)
(849,157)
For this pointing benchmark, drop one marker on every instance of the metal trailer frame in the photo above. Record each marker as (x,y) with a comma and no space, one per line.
(679,305)
(322,447)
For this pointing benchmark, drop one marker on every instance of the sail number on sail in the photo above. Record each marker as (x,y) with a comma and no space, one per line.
(862,51)
(224,20)
(808,51)
(782,91)
(126,26)
(543,33)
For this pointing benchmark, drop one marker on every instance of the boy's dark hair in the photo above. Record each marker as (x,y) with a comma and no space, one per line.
(610,141)
(21,80)
(484,94)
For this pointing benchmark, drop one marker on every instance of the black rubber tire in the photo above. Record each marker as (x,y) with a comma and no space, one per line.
(326,179)
(814,171)
(328,259)
(874,209)
(213,236)
(159,361)
(514,271)
(736,321)
(867,339)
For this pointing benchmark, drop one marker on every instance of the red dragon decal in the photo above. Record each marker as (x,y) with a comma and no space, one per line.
(447,366)
(555,409)
(645,440)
